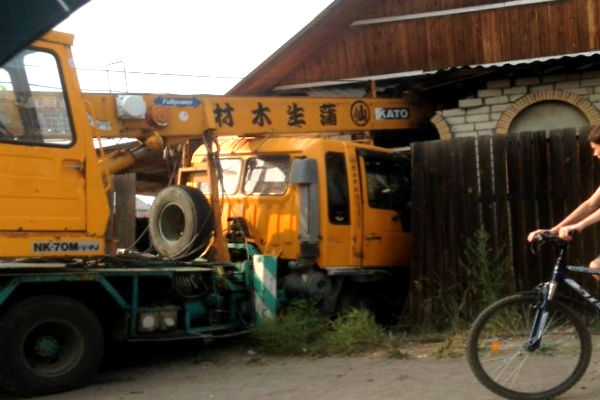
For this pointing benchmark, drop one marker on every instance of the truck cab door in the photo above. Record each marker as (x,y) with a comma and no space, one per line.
(385,201)
(42,183)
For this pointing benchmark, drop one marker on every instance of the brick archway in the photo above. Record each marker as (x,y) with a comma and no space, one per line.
(583,105)
(442,126)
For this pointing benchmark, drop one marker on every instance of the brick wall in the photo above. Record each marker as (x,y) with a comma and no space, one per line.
(492,108)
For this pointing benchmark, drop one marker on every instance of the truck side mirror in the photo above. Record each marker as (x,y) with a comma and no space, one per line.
(304,171)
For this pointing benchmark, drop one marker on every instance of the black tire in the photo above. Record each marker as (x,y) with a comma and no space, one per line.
(48,344)
(180,223)
(497,356)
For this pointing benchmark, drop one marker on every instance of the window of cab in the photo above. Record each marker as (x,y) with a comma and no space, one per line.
(267,175)
(231,169)
(33,109)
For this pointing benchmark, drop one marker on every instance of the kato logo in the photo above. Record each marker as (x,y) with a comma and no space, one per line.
(391,113)
(62,247)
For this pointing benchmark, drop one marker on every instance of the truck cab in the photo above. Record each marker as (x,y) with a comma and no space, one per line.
(330,210)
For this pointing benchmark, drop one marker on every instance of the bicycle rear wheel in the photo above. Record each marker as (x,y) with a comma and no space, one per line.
(497,355)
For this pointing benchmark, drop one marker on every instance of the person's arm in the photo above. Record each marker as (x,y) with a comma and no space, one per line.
(565,231)
(586,210)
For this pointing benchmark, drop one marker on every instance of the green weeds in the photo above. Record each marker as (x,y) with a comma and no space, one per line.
(353,332)
(302,330)
(455,300)
(450,307)
(297,330)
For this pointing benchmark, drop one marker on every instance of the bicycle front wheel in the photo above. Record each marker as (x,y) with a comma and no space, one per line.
(497,353)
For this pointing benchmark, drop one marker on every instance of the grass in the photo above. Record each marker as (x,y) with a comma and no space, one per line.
(297,330)
(352,333)
(301,330)
(485,277)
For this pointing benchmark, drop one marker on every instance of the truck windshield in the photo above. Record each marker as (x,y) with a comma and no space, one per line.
(267,175)
(232,168)
(32,103)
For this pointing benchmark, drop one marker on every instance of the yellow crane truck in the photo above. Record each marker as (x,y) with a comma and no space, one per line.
(326,209)
(336,213)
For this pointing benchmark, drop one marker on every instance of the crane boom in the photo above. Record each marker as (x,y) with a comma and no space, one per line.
(183,117)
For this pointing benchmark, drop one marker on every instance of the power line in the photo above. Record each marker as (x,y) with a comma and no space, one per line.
(161,74)
(344,80)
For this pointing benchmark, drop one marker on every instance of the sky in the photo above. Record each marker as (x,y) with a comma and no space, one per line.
(180,46)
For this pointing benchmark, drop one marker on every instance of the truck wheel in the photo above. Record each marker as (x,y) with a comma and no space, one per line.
(48,344)
(180,223)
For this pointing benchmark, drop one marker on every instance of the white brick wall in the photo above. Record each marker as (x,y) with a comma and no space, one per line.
(478,118)
(470,103)
(455,120)
(567,85)
(590,82)
(514,97)
(462,128)
(480,115)
(489,93)
(515,90)
(539,88)
(453,112)
(500,107)
(478,110)
(496,100)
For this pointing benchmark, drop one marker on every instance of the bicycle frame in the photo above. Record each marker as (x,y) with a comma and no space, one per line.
(548,290)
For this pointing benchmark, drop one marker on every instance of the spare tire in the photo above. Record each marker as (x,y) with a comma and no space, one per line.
(181,223)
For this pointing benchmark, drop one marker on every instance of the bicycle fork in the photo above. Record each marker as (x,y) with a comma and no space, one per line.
(548,290)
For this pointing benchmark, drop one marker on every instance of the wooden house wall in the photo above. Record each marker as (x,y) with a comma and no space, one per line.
(543,29)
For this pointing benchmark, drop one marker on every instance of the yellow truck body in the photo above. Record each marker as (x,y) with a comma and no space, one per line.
(52,196)
(334,212)
(363,196)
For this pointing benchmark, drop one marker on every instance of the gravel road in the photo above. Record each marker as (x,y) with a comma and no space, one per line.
(194,371)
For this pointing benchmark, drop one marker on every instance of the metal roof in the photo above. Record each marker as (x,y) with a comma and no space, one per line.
(550,63)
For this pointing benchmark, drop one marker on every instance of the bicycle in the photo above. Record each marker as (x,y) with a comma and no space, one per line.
(531,345)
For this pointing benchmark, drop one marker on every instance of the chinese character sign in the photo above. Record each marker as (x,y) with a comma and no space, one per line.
(328,114)
(224,115)
(261,115)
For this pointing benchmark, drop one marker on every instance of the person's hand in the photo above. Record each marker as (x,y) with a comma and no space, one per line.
(532,235)
(565,232)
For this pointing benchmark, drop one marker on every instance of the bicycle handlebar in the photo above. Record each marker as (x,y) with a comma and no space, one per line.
(548,237)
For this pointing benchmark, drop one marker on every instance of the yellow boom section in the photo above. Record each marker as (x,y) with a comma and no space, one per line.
(184,117)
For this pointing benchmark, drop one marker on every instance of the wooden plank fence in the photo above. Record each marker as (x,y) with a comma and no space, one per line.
(508,185)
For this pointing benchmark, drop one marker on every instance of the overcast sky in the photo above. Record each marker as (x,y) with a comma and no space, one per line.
(217,42)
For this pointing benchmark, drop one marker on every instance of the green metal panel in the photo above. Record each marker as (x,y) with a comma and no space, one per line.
(113,292)
(134,306)
(194,309)
(230,286)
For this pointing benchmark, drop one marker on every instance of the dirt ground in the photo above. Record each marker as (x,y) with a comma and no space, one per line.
(229,371)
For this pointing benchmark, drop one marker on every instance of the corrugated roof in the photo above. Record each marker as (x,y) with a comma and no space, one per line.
(573,58)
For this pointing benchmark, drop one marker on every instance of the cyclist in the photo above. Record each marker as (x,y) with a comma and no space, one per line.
(586,214)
